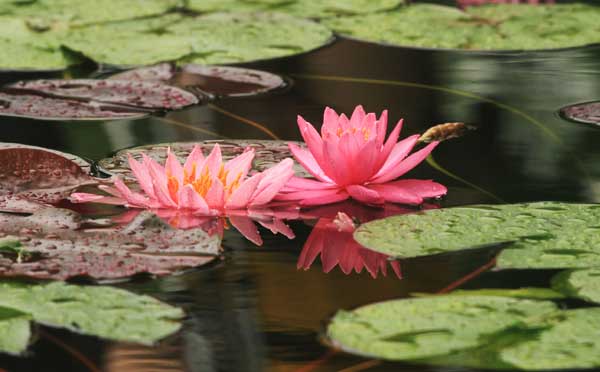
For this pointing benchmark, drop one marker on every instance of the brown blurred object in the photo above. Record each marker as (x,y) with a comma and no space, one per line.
(446,131)
(124,357)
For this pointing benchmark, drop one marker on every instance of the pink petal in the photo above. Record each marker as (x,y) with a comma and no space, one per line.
(239,166)
(173,167)
(325,197)
(422,188)
(398,153)
(403,166)
(308,162)
(215,196)
(241,196)
(330,122)
(190,199)
(299,183)
(212,162)
(311,138)
(382,127)
(367,158)
(313,245)
(194,159)
(272,182)
(364,194)
(142,174)
(357,116)
(159,183)
(390,144)
(132,198)
(247,228)
(340,172)
(396,194)
(83,197)
(277,226)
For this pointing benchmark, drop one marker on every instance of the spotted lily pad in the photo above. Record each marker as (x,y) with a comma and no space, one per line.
(207,81)
(92,310)
(584,284)
(24,49)
(544,234)
(206,39)
(44,14)
(412,329)
(90,99)
(300,8)
(489,27)
(32,175)
(587,113)
(570,342)
(59,244)
(268,153)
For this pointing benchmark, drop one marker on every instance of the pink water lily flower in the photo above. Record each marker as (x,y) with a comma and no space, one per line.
(202,185)
(352,159)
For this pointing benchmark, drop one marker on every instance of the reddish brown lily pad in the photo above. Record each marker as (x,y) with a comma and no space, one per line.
(268,153)
(587,113)
(207,81)
(90,99)
(32,175)
(59,244)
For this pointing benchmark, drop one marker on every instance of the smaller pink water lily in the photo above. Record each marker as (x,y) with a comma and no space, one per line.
(202,185)
(352,159)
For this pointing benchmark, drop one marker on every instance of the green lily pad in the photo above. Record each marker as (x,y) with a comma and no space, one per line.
(571,341)
(412,329)
(584,284)
(45,14)
(490,27)
(25,49)
(105,312)
(208,39)
(545,234)
(529,292)
(15,331)
(301,8)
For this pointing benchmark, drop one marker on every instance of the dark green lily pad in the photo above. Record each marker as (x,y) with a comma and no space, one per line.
(207,39)
(268,153)
(300,8)
(412,329)
(105,312)
(571,341)
(584,284)
(545,234)
(490,27)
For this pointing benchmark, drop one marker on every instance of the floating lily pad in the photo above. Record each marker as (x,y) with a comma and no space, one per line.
(44,14)
(300,8)
(490,27)
(15,331)
(570,342)
(412,329)
(59,244)
(24,49)
(92,310)
(584,284)
(31,175)
(82,99)
(268,153)
(528,292)
(587,113)
(207,81)
(545,234)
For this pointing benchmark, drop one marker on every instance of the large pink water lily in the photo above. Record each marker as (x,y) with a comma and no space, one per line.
(202,185)
(352,159)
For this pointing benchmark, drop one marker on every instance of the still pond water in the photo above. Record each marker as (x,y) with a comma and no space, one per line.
(255,311)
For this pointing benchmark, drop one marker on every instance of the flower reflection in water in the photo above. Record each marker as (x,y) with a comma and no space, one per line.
(332,239)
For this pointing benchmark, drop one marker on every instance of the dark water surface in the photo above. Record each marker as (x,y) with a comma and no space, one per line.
(255,311)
